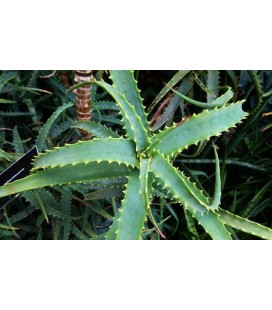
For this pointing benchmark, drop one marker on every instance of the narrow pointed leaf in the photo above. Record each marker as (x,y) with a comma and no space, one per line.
(175,79)
(112,232)
(178,185)
(189,196)
(132,214)
(109,149)
(132,121)
(212,85)
(96,129)
(64,175)
(47,126)
(125,82)
(213,225)
(218,102)
(146,179)
(217,188)
(18,145)
(245,225)
(197,128)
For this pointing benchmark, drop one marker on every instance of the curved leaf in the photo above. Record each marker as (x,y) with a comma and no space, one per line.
(175,79)
(125,82)
(218,102)
(185,86)
(44,131)
(131,120)
(245,225)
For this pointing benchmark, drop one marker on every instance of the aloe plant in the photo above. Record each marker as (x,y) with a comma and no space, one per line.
(146,160)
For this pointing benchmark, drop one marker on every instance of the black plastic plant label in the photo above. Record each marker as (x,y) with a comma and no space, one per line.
(18,170)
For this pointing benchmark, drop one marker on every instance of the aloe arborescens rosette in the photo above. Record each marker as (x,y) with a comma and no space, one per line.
(146,160)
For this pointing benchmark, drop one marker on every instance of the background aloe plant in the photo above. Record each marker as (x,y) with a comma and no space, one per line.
(137,169)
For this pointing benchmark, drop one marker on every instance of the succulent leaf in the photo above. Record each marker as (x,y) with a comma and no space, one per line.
(133,212)
(125,82)
(213,225)
(96,129)
(199,127)
(132,121)
(65,175)
(109,149)
(245,225)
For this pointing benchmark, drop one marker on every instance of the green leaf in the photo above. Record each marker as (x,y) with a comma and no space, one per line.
(245,225)
(254,113)
(259,91)
(30,89)
(189,196)
(132,213)
(144,184)
(78,233)
(111,233)
(22,214)
(18,145)
(7,101)
(125,82)
(178,185)
(62,89)
(66,205)
(6,156)
(9,223)
(213,225)
(190,224)
(109,149)
(212,85)
(256,199)
(217,190)
(41,199)
(217,103)
(197,128)
(41,204)
(146,180)
(175,79)
(15,114)
(44,131)
(2,226)
(105,105)
(96,129)
(105,193)
(32,109)
(7,76)
(64,175)
(132,122)
(175,103)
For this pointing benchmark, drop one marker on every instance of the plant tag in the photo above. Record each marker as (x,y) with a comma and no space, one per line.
(18,170)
